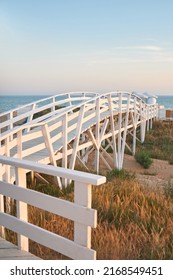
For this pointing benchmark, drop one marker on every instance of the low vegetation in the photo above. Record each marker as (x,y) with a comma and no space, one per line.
(143,157)
(159,141)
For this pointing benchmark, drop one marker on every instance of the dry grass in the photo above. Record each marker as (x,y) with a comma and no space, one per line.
(133,222)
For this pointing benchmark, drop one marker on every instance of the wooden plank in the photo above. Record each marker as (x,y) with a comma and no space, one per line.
(54,205)
(48,239)
(9,251)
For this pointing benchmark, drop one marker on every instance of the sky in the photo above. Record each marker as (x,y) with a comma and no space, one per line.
(51,46)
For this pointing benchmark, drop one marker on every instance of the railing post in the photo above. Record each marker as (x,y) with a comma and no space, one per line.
(65,140)
(82,196)
(21,207)
(8,200)
(53,104)
(30,117)
(2,232)
(19,144)
(10,117)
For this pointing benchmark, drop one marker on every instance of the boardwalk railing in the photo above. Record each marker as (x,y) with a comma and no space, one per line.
(50,105)
(89,124)
(80,211)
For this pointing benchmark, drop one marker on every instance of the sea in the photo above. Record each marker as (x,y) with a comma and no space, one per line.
(8,102)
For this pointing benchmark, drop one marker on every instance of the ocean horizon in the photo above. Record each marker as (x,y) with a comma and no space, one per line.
(9,102)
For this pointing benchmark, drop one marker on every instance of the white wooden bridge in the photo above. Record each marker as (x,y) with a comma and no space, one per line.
(66,129)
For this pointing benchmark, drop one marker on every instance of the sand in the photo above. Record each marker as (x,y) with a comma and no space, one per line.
(158,174)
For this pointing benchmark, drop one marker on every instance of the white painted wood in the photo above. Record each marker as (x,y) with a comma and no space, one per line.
(119,133)
(125,132)
(54,171)
(113,131)
(7,167)
(109,105)
(97,154)
(19,144)
(82,233)
(64,141)
(30,117)
(2,232)
(54,205)
(21,208)
(50,149)
(103,130)
(76,141)
(48,239)
(90,133)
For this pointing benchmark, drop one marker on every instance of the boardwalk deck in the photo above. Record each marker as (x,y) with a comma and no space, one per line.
(9,251)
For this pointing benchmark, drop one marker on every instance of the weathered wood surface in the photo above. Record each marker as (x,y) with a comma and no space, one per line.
(9,251)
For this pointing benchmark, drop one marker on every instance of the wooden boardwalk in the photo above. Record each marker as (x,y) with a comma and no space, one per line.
(9,251)
(65,131)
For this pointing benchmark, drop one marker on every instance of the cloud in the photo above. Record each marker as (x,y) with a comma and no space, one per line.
(149,53)
(144,48)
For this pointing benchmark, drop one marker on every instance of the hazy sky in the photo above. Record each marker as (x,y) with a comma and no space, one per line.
(95,45)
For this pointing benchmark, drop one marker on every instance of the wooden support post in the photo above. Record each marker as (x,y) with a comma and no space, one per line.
(65,139)
(113,130)
(143,122)
(119,131)
(82,196)
(134,141)
(125,132)
(134,127)
(148,118)
(21,208)
(97,157)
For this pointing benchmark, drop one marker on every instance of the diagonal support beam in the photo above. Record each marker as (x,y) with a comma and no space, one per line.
(106,122)
(49,146)
(76,142)
(91,135)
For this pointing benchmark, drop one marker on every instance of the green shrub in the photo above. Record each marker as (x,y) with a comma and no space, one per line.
(143,158)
